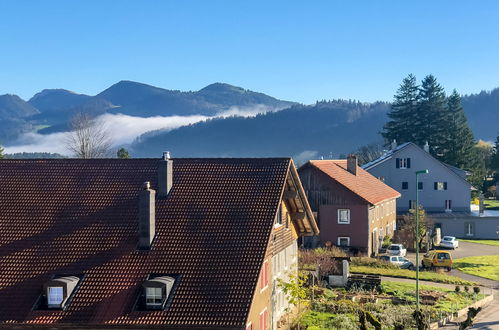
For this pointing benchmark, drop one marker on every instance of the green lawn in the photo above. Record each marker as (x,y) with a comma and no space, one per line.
(485,241)
(405,273)
(451,300)
(491,204)
(483,266)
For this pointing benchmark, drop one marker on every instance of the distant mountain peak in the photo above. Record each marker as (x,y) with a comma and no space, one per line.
(222,87)
(52,91)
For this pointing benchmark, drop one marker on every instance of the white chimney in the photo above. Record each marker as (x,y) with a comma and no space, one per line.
(426,147)
(394,144)
(147,216)
(165,175)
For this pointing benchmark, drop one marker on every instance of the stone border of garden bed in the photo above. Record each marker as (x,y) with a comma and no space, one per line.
(462,312)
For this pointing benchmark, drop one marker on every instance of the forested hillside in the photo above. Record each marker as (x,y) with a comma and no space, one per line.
(332,127)
(482,110)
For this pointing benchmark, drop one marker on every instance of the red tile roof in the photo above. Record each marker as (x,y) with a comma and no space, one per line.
(80,216)
(365,185)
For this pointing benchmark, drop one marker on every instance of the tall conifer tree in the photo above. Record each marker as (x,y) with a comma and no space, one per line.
(458,149)
(429,124)
(1,152)
(403,111)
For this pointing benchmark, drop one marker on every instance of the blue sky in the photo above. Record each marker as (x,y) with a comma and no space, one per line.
(294,50)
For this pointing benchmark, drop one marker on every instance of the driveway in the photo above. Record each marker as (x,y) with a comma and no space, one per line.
(465,249)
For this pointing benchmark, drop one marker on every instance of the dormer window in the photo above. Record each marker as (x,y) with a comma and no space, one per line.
(156,291)
(58,291)
(154,296)
(55,296)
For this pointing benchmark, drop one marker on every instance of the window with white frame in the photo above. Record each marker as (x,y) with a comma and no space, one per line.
(55,295)
(278,219)
(448,204)
(403,163)
(343,216)
(344,241)
(154,296)
(469,229)
(440,185)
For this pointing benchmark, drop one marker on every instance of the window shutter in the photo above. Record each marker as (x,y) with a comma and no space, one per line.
(445,185)
(408,163)
(435,185)
(397,161)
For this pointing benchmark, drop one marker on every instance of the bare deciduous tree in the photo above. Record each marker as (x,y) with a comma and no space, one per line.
(368,153)
(88,137)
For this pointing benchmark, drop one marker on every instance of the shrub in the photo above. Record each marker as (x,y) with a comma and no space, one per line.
(372,262)
(321,320)
(466,288)
(323,257)
(457,289)
(476,289)
(387,241)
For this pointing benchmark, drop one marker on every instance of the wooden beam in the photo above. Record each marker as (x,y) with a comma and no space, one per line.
(290,194)
(298,216)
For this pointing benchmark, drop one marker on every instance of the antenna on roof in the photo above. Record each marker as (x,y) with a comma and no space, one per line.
(166,155)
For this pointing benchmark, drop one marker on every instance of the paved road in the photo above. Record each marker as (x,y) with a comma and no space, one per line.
(466,249)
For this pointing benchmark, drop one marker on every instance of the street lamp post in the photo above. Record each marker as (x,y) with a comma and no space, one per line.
(417,235)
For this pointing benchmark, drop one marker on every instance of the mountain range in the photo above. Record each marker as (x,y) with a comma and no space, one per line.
(327,127)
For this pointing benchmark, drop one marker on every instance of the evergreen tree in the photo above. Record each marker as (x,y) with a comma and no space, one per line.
(1,152)
(459,142)
(404,109)
(430,122)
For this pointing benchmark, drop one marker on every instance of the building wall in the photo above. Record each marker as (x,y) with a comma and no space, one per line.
(282,259)
(481,228)
(458,191)
(325,197)
(382,222)
(357,230)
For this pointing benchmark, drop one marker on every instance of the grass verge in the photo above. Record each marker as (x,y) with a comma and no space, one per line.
(451,301)
(483,266)
(405,273)
(491,204)
(485,241)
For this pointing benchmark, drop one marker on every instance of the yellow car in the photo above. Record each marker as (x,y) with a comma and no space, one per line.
(437,258)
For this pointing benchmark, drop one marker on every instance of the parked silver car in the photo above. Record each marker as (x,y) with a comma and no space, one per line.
(449,242)
(396,250)
(402,262)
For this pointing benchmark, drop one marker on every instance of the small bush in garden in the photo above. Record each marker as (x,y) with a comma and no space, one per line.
(466,288)
(387,241)
(457,289)
(476,289)
(311,259)
(374,263)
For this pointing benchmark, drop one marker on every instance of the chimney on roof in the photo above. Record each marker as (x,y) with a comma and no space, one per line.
(352,164)
(394,144)
(147,216)
(426,147)
(165,175)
